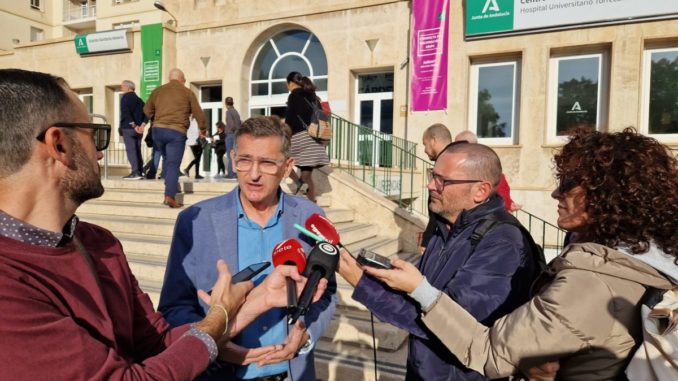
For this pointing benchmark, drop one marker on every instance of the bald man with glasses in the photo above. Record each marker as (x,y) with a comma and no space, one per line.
(242,227)
(489,277)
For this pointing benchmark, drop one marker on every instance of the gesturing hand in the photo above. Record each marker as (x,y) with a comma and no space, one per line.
(230,296)
(272,292)
(293,342)
(404,276)
(235,354)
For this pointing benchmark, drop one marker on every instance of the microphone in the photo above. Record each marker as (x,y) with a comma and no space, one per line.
(321,263)
(290,252)
(323,227)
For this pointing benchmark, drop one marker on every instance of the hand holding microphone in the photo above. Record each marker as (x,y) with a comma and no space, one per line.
(321,263)
(290,252)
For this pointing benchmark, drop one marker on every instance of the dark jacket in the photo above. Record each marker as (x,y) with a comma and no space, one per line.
(131,110)
(489,284)
(298,112)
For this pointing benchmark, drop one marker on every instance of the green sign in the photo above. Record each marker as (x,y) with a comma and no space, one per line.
(151,59)
(488,16)
(492,17)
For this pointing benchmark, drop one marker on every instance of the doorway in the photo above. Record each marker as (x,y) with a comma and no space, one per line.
(374,110)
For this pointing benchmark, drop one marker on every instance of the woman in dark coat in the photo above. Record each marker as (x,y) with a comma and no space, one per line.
(308,153)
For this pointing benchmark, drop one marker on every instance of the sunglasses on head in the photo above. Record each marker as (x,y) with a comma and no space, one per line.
(101,135)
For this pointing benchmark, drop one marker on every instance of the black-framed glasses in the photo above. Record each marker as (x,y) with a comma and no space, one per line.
(101,135)
(441,182)
(267,166)
(566,184)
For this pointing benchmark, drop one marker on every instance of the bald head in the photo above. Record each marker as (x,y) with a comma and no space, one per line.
(435,138)
(438,132)
(466,136)
(481,161)
(177,75)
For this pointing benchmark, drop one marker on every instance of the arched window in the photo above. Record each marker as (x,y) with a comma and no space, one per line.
(291,50)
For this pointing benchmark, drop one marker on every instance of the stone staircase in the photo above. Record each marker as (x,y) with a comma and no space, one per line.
(132,210)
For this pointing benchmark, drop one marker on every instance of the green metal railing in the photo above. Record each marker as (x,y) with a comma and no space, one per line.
(384,162)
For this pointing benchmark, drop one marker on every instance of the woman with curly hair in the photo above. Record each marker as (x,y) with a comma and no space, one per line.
(618,193)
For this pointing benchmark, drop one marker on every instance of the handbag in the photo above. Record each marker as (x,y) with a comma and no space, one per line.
(320,127)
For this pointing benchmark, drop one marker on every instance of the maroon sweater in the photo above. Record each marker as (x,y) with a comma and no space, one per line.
(57,324)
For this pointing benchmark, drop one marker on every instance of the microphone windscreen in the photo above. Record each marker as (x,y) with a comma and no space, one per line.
(324,258)
(287,252)
(321,226)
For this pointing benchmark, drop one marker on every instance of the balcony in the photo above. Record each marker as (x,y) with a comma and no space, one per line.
(79,16)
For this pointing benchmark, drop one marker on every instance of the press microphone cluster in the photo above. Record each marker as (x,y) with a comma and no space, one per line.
(321,263)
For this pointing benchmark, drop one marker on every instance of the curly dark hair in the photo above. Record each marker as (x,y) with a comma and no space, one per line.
(631,186)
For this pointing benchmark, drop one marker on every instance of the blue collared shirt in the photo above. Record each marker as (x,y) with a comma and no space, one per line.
(255,244)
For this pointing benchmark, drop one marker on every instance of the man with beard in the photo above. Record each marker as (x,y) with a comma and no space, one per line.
(71,308)
(488,276)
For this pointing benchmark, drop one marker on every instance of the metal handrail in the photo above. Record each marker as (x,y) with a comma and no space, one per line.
(384,162)
(546,234)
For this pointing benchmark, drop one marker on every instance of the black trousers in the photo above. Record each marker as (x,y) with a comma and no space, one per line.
(197,153)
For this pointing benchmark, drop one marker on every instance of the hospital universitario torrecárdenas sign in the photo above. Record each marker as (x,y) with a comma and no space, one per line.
(485,18)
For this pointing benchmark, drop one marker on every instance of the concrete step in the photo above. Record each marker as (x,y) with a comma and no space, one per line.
(130,209)
(352,232)
(379,244)
(152,196)
(185,185)
(123,224)
(338,361)
(354,327)
(150,267)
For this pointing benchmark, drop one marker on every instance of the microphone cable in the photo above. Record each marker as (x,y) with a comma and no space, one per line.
(374,346)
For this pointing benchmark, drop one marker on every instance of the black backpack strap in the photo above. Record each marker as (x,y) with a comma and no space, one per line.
(494,219)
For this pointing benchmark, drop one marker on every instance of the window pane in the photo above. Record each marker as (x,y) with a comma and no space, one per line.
(495,101)
(320,84)
(375,83)
(316,54)
(210,94)
(290,64)
(259,89)
(577,93)
(279,87)
(291,41)
(663,117)
(263,63)
(366,113)
(257,112)
(386,122)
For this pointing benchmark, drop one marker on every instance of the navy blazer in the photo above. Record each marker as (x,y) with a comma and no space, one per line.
(131,110)
(207,232)
(488,284)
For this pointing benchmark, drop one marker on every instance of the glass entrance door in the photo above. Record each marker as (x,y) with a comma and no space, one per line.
(375,112)
(210,102)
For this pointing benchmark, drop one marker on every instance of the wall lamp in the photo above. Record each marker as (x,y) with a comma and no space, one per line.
(158,4)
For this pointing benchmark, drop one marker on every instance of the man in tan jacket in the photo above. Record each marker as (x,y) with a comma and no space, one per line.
(170,107)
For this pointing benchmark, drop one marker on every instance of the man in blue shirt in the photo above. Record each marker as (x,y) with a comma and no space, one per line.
(242,227)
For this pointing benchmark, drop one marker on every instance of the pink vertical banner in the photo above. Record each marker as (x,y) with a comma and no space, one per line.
(429,54)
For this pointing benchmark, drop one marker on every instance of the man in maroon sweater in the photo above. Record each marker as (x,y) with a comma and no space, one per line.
(70,307)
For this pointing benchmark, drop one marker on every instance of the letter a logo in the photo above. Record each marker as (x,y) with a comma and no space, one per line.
(576,107)
(491,5)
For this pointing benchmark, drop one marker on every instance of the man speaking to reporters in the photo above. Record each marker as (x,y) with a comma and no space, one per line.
(242,228)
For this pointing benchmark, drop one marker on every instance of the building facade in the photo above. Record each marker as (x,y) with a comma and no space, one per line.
(518,91)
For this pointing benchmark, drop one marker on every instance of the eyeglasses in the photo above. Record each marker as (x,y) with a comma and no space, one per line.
(566,184)
(101,135)
(441,182)
(267,166)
